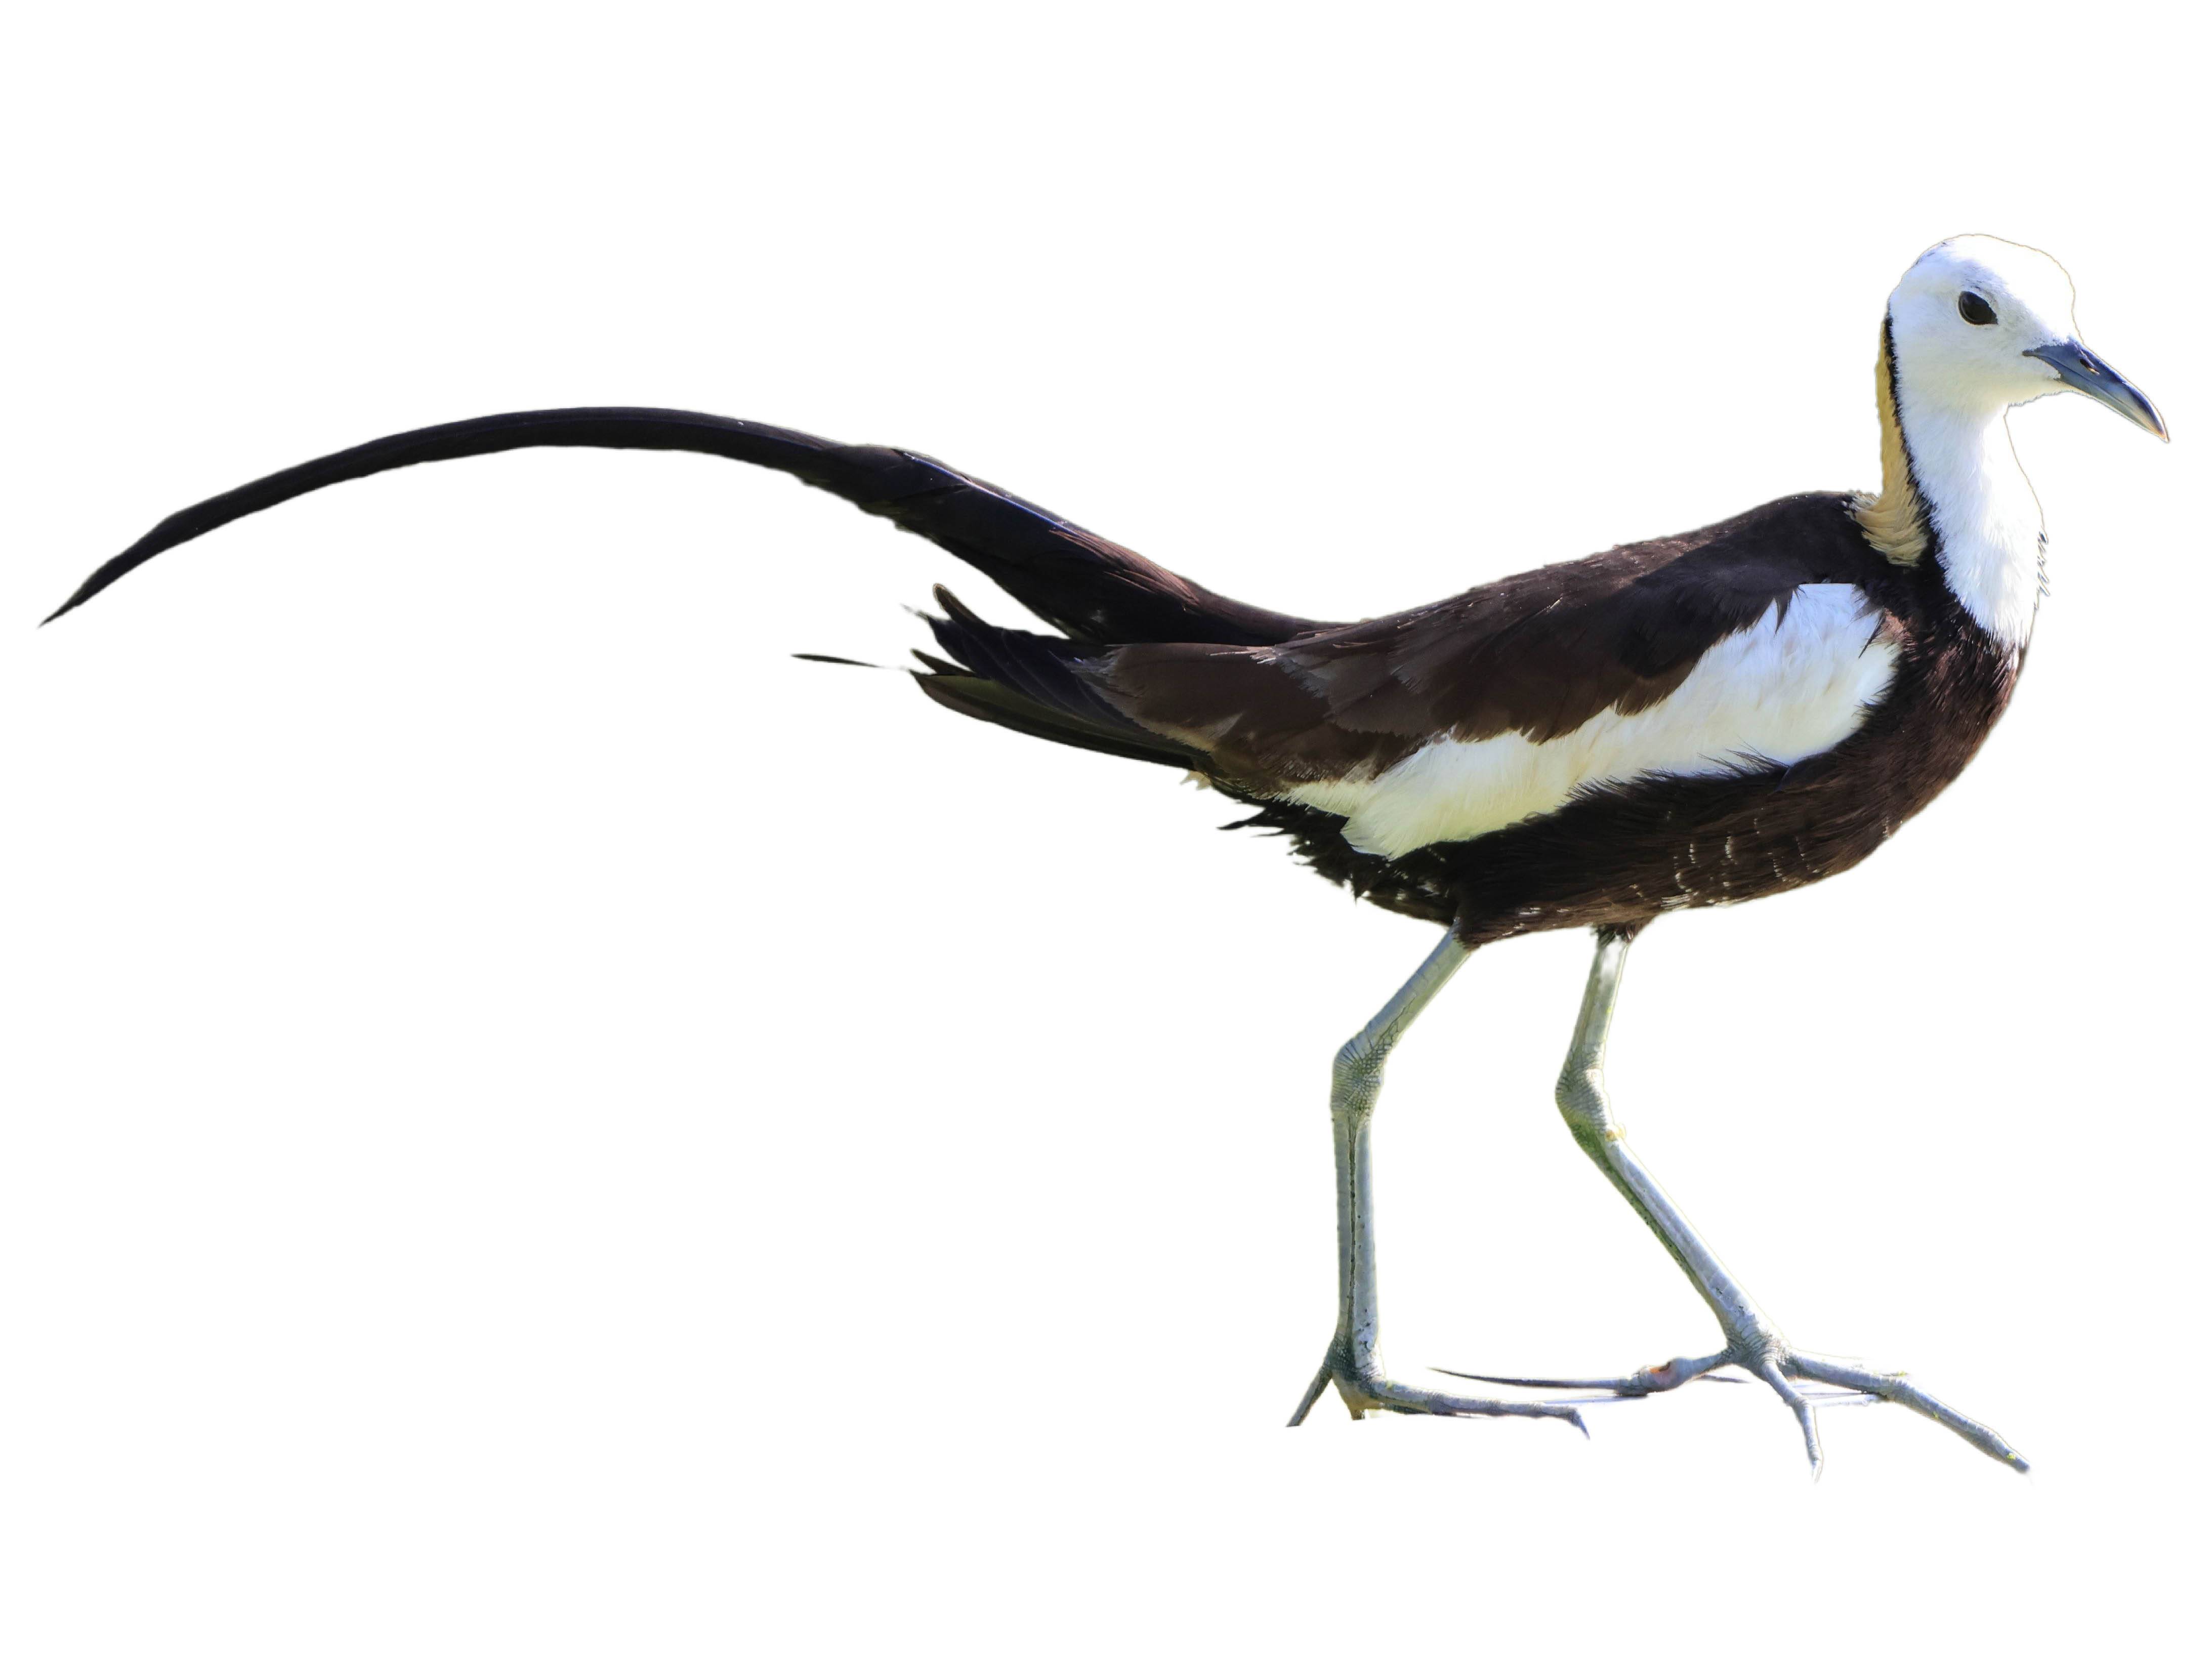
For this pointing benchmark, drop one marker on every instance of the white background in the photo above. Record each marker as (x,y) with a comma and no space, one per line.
(535,1123)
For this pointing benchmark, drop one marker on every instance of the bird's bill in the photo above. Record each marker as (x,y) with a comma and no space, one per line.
(2092,377)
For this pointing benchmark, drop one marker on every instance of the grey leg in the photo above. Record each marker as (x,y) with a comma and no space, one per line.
(1352,1362)
(1754,1343)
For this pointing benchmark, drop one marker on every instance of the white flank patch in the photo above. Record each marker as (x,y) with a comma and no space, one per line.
(1781,689)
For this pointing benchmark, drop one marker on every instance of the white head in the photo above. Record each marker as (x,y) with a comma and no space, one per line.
(1979,324)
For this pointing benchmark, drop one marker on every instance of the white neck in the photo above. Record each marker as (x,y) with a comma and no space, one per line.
(1988,522)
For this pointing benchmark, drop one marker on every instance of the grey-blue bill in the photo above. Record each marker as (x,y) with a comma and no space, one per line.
(2092,377)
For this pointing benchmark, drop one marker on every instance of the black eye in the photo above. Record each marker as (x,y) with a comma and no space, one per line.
(1976,310)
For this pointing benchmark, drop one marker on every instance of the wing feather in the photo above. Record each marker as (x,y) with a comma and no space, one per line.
(1688,654)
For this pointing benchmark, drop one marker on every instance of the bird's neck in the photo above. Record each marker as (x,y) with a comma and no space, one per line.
(1953,490)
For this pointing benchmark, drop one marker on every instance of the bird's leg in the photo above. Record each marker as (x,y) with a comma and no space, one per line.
(1754,1343)
(1351,1361)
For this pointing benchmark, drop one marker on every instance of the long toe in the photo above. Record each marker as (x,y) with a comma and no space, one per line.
(1856,1381)
(1428,1402)
(1634,1385)
(1837,1382)
(1364,1391)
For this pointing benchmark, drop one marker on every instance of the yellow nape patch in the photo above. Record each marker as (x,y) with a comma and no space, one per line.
(1895,521)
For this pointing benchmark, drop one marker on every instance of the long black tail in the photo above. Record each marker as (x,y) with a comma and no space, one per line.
(1086,586)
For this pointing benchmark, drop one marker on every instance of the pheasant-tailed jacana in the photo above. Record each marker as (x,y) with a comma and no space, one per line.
(1695,720)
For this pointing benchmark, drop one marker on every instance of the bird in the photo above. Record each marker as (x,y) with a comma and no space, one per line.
(1675,724)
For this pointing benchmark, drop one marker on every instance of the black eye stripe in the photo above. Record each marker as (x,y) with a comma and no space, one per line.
(1976,310)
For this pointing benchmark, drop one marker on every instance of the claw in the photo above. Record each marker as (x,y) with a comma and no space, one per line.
(1313,1393)
(1770,1372)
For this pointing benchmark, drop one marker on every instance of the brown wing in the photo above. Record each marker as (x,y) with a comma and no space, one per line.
(1540,653)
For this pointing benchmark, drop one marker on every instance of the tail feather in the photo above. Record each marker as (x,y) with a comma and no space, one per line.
(1000,705)
(1086,586)
(1040,681)
(1044,668)
(1098,594)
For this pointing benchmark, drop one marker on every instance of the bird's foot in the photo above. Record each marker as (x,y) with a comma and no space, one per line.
(1782,1367)
(1364,1388)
